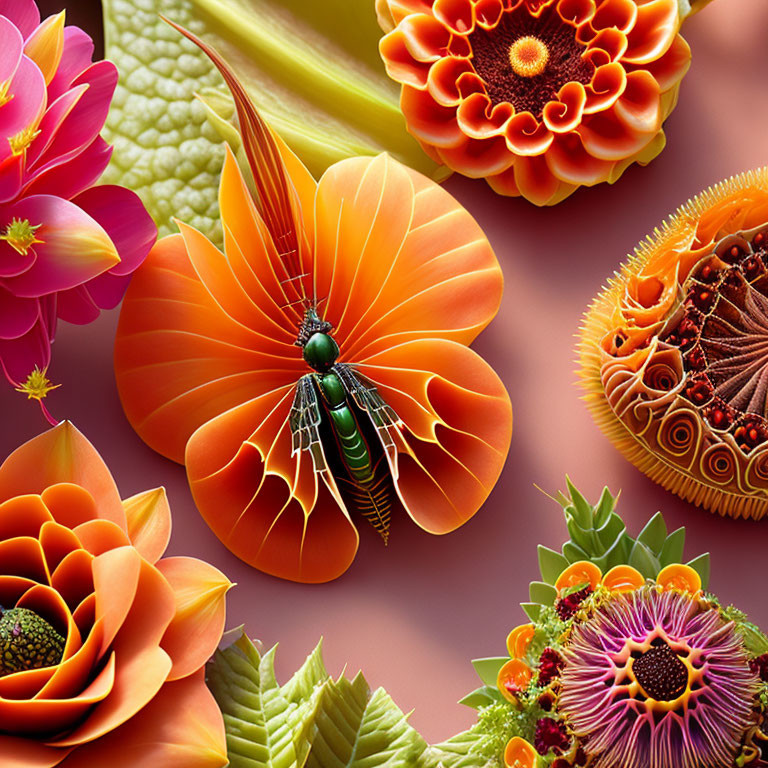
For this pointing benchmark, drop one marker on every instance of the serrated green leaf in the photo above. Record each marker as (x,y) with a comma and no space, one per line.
(488,668)
(574,553)
(672,551)
(654,534)
(482,697)
(306,679)
(701,565)
(544,594)
(604,508)
(644,560)
(460,751)
(313,70)
(551,564)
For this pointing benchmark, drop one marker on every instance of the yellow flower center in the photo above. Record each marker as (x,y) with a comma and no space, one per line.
(37,386)
(528,56)
(23,139)
(20,235)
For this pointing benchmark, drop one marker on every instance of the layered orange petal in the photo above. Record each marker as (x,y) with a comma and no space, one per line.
(149,523)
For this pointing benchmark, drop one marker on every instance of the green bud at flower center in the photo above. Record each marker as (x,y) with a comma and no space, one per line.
(27,641)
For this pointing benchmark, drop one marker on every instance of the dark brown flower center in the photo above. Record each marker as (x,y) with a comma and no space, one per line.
(661,673)
(27,641)
(525,60)
(722,332)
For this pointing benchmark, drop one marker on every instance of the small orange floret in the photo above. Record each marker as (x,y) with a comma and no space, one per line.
(519,754)
(582,572)
(623,578)
(680,577)
(514,677)
(519,639)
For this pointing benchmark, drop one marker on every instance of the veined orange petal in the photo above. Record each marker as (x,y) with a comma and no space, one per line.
(576,574)
(679,577)
(61,455)
(197,626)
(623,578)
(149,523)
(519,639)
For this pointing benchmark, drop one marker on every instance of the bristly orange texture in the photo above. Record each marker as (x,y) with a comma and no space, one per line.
(674,351)
(207,362)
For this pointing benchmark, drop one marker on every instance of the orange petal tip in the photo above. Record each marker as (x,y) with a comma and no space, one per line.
(519,639)
(582,573)
(679,577)
(623,578)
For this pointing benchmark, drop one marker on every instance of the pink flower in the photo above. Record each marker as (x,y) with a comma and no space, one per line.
(67,248)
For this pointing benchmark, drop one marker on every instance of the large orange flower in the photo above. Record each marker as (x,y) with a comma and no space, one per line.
(102,643)
(213,351)
(674,353)
(538,97)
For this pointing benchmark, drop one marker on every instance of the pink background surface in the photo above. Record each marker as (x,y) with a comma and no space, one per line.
(414,614)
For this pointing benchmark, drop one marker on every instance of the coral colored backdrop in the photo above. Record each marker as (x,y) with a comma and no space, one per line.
(413,615)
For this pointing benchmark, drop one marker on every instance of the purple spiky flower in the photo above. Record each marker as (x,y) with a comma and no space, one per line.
(657,680)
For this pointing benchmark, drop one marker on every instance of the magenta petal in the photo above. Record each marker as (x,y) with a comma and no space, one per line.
(19,357)
(74,248)
(11,170)
(53,118)
(125,220)
(71,178)
(107,290)
(85,121)
(13,263)
(17,316)
(23,13)
(76,57)
(11,49)
(26,107)
(76,305)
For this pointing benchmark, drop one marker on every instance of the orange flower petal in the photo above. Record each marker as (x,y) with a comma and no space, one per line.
(513,677)
(57,542)
(639,107)
(181,726)
(679,577)
(576,574)
(61,455)
(457,427)
(520,754)
(149,523)
(429,121)
(623,578)
(99,536)
(23,516)
(250,509)
(197,626)
(655,29)
(70,504)
(519,639)
(27,753)
(23,557)
(73,577)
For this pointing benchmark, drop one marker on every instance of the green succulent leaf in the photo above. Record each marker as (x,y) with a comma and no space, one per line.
(313,70)
(643,559)
(551,564)
(544,594)
(654,534)
(701,565)
(488,668)
(672,551)
(482,697)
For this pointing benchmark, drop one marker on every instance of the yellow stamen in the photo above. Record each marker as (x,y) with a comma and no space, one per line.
(5,97)
(528,56)
(23,139)
(37,386)
(20,235)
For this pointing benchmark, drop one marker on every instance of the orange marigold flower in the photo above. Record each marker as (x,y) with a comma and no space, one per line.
(102,642)
(317,372)
(673,351)
(538,97)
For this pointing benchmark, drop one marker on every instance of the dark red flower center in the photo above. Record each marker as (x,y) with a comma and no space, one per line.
(567,607)
(525,60)
(661,673)
(722,333)
(27,641)
(550,666)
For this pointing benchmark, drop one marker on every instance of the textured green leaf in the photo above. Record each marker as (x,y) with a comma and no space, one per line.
(604,507)
(611,531)
(460,751)
(488,668)
(582,508)
(654,534)
(672,551)
(551,564)
(701,565)
(574,553)
(481,697)
(642,558)
(544,594)
(312,68)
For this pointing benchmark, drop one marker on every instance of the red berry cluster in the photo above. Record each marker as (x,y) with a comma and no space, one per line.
(760,667)
(550,734)
(567,607)
(551,664)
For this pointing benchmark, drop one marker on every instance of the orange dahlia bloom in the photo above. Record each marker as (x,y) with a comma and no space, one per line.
(391,275)
(102,642)
(538,97)
(673,352)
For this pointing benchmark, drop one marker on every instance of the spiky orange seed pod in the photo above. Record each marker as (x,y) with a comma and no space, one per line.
(674,351)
